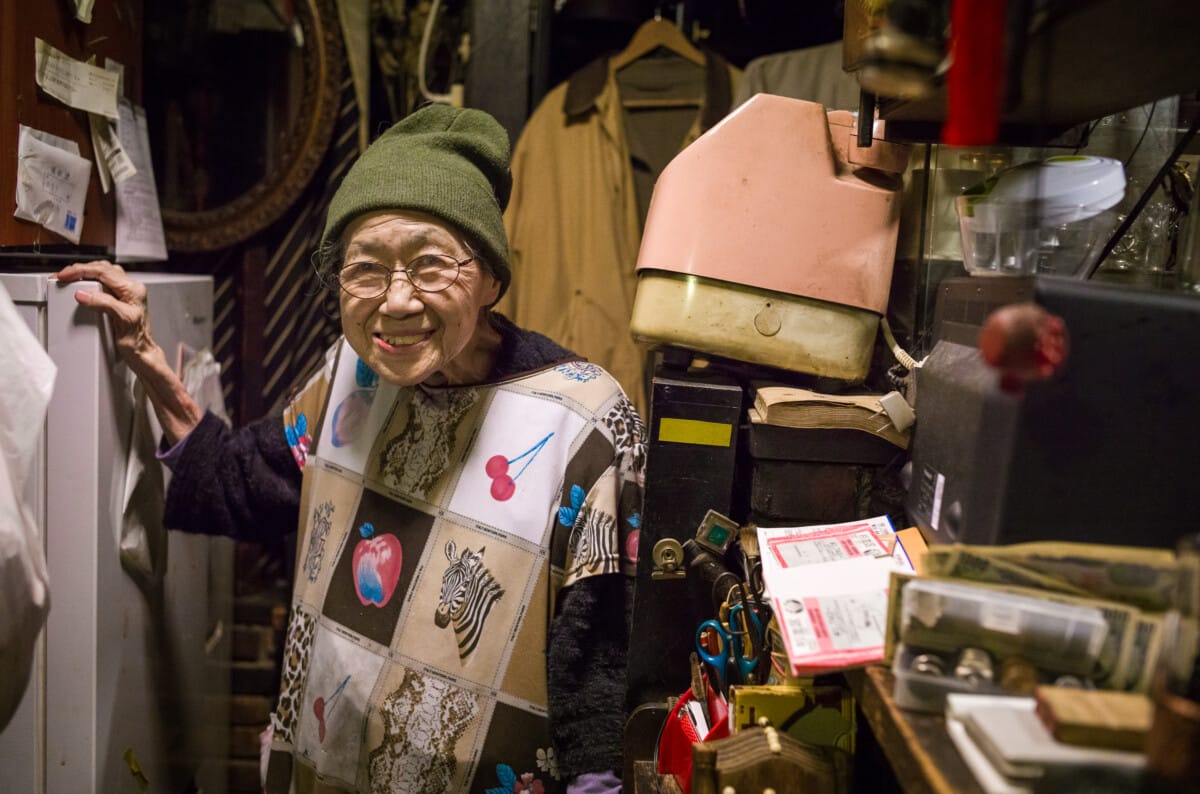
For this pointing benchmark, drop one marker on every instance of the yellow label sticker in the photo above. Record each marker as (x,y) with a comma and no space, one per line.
(695,431)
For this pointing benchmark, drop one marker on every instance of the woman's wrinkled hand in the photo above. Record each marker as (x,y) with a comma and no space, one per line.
(123,299)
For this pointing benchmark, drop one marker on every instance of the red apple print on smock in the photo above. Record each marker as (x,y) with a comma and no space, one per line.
(376,563)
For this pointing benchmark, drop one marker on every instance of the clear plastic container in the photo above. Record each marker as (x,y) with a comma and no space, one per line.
(1052,216)
(917,688)
(948,616)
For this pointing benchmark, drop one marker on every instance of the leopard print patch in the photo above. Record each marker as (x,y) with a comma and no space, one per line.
(628,433)
(296,654)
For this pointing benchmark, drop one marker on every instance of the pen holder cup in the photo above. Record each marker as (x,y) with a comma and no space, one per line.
(674,755)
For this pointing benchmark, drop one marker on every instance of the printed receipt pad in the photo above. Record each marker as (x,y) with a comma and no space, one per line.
(828,586)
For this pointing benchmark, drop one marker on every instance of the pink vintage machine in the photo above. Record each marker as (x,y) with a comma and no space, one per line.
(771,240)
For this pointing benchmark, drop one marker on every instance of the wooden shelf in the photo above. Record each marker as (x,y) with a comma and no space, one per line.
(920,751)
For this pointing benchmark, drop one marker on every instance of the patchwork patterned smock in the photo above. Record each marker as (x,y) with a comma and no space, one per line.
(436,527)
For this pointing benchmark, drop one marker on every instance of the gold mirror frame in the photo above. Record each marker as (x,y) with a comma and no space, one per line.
(307,142)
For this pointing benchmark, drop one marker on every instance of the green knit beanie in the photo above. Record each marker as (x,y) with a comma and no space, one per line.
(450,162)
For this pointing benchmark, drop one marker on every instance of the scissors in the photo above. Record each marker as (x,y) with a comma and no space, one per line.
(723,648)
(745,615)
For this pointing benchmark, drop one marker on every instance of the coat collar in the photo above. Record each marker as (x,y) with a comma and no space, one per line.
(585,87)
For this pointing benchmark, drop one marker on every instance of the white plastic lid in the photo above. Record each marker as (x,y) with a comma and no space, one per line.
(1049,192)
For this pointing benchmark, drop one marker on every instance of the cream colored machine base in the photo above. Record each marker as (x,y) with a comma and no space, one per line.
(755,325)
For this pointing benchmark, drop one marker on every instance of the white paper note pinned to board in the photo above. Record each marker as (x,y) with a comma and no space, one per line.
(112,163)
(52,182)
(75,83)
(118,68)
(66,144)
(139,219)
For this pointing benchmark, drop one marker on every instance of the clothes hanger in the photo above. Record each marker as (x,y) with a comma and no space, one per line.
(659,103)
(651,35)
(655,33)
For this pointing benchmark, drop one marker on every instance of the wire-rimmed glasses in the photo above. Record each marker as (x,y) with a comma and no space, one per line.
(427,273)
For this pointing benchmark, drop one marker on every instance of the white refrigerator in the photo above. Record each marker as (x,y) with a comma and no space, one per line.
(130,689)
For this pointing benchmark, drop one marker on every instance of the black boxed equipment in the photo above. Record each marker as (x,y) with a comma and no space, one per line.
(1104,452)
(814,475)
(689,470)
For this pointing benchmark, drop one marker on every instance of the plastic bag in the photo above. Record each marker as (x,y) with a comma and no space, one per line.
(144,541)
(143,545)
(24,583)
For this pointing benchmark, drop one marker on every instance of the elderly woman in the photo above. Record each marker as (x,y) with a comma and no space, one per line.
(466,495)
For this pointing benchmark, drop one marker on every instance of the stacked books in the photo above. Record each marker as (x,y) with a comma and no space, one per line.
(1007,746)
(789,406)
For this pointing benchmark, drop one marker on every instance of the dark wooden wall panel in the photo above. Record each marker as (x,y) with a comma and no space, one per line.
(115,32)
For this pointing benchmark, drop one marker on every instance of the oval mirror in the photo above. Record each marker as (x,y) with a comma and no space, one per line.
(241,100)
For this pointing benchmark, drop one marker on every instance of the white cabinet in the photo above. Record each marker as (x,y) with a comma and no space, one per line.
(123,681)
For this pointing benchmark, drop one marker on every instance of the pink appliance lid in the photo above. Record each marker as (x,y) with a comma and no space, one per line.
(779,196)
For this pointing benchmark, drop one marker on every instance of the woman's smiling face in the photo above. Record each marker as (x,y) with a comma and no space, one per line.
(408,336)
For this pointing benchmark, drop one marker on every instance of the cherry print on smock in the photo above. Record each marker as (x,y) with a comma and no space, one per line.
(322,707)
(511,477)
(503,484)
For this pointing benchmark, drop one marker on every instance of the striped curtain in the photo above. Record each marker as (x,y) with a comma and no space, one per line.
(299,318)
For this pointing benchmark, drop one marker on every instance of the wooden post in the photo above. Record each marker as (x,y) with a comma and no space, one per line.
(253,321)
